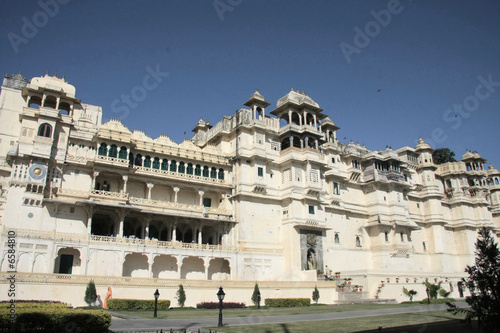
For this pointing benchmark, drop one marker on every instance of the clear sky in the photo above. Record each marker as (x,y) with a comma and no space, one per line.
(386,72)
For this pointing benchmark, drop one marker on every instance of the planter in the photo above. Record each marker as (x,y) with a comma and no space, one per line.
(376,296)
(407,280)
(414,280)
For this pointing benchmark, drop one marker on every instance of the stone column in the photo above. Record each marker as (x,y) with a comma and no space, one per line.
(150,187)
(94,178)
(176,191)
(90,212)
(201,193)
(125,179)
(174,232)
(121,217)
(200,226)
(290,117)
(151,258)
(179,265)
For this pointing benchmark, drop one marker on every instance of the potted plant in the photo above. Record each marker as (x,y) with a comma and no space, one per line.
(348,280)
(337,275)
(388,280)
(415,280)
(382,283)
(397,280)
(407,280)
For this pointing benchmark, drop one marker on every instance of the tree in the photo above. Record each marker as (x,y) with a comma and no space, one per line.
(315,295)
(433,288)
(256,294)
(181,296)
(443,155)
(90,293)
(484,285)
(410,293)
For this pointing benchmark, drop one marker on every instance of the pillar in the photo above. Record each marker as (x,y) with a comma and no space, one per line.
(176,191)
(150,187)
(94,178)
(125,179)
(174,233)
(200,226)
(90,212)
(201,197)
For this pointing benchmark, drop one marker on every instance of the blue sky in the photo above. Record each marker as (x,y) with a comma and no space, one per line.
(436,63)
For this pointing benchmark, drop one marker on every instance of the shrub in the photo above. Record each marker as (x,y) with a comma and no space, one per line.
(90,293)
(437,300)
(225,305)
(181,296)
(315,295)
(55,319)
(287,302)
(136,304)
(256,295)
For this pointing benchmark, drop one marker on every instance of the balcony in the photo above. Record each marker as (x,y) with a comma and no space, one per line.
(112,161)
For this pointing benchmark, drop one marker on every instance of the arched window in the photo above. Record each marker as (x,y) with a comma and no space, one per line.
(147,161)
(130,159)
(189,169)
(156,163)
(35,102)
(103,149)
(63,106)
(213,173)
(221,174)
(113,152)
(173,166)
(123,153)
(45,130)
(182,168)
(164,164)
(138,160)
(197,170)
(496,181)
(337,239)
(50,102)
(448,183)
(206,171)
(358,242)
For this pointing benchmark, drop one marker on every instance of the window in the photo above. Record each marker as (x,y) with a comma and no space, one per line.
(138,160)
(113,152)
(386,236)
(173,166)
(164,164)
(424,246)
(182,168)
(197,170)
(189,169)
(147,161)
(260,172)
(123,153)
(103,149)
(207,202)
(206,171)
(156,163)
(336,239)
(336,188)
(221,174)
(213,173)
(45,130)
(402,237)
(311,209)
(358,242)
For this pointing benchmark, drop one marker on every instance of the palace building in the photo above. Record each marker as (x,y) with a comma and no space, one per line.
(266,195)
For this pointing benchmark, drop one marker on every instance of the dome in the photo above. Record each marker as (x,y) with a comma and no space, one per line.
(115,125)
(296,98)
(53,83)
(422,145)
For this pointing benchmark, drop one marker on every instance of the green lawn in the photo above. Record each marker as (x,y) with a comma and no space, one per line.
(428,322)
(178,313)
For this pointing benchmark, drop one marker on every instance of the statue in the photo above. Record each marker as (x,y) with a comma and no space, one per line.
(109,295)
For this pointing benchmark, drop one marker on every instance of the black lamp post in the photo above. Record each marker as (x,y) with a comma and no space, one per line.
(220,296)
(428,296)
(258,299)
(156,294)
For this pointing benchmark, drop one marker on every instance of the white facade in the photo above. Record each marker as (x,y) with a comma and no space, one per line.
(261,196)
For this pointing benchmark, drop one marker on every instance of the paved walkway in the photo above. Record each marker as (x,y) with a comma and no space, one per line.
(139,324)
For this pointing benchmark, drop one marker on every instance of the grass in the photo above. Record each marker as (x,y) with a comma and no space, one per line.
(179,313)
(428,322)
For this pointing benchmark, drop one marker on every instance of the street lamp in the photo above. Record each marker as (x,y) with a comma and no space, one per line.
(428,297)
(220,296)
(156,294)
(258,299)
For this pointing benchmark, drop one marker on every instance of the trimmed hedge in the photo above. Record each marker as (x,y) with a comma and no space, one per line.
(225,305)
(136,304)
(438,300)
(287,302)
(50,318)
